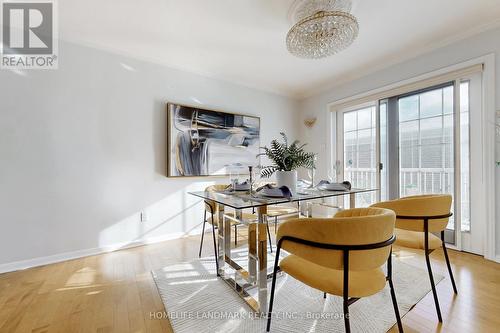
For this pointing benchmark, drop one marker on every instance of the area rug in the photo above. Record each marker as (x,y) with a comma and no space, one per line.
(197,301)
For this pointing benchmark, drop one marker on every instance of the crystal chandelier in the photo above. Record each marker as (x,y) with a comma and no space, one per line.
(323,28)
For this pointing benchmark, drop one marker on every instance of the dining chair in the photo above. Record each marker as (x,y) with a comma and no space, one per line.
(211,207)
(281,211)
(341,256)
(417,219)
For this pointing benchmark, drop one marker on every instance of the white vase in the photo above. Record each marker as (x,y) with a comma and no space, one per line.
(288,179)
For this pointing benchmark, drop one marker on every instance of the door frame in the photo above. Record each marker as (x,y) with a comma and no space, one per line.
(488,119)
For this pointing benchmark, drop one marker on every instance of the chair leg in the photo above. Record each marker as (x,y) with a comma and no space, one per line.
(275,224)
(429,269)
(434,292)
(393,294)
(396,309)
(433,286)
(324,295)
(346,316)
(269,237)
(203,233)
(216,253)
(273,287)
(346,291)
(448,264)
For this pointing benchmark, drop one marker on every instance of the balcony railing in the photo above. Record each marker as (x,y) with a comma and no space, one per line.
(414,181)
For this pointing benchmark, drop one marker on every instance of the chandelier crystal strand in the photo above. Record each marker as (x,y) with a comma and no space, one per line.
(310,7)
(322,34)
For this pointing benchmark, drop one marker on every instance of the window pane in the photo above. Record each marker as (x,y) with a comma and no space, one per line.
(408,108)
(365,140)
(349,158)
(426,145)
(431,131)
(350,141)
(448,156)
(365,159)
(383,152)
(431,103)
(349,121)
(365,118)
(432,156)
(409,183)
(464,156)
(360,152)
(448,129)
(409,158)
(448,100)
(464,97)
(408,133)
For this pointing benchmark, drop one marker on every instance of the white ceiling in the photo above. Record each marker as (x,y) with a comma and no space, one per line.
(243,41)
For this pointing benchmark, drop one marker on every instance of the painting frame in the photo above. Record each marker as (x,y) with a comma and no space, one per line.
(170,165)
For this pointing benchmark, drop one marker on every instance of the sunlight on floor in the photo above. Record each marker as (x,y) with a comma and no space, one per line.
(192,281)
(82,277)
(403,255)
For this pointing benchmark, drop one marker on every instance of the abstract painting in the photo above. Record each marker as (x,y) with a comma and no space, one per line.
(209,143)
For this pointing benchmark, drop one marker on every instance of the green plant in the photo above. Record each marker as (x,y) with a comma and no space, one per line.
(286,157)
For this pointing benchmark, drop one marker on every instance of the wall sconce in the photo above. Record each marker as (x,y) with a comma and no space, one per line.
(309,122)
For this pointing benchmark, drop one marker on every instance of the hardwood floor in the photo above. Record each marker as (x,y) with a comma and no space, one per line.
(115,292)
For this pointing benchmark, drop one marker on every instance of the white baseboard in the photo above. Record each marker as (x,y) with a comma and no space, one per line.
(497,258)
(41,261)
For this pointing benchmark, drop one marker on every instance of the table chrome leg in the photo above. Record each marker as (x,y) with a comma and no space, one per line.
(252,252)
(309,208)
(262,259)
(239,217)
(352,200)
(221,244)
(227,240)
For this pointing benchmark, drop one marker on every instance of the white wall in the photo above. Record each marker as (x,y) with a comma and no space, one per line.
(316,106)
(82,152)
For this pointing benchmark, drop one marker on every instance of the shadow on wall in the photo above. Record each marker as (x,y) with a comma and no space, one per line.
(171,211)
(177,215)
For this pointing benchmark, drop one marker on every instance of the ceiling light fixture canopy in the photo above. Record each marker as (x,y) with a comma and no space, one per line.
(324,27)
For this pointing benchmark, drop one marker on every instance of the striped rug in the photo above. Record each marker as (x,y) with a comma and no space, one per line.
(197,301)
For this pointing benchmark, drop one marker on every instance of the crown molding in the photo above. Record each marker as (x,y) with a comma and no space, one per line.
(396,59)
(206,74)
(319,87)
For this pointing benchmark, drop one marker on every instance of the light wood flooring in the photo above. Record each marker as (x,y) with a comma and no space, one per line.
(115,292)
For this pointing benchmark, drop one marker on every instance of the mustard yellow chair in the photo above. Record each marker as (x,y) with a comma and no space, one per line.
(417,218)
(340,256)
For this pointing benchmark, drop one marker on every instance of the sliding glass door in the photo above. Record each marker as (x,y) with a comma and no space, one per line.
(417,143)
(426,144)
(360,152)
(358,144)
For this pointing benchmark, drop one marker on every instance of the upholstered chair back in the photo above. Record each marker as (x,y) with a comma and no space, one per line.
(360,226)
(211,206)
(420,205)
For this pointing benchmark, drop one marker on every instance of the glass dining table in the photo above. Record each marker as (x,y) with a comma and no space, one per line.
(256,276)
